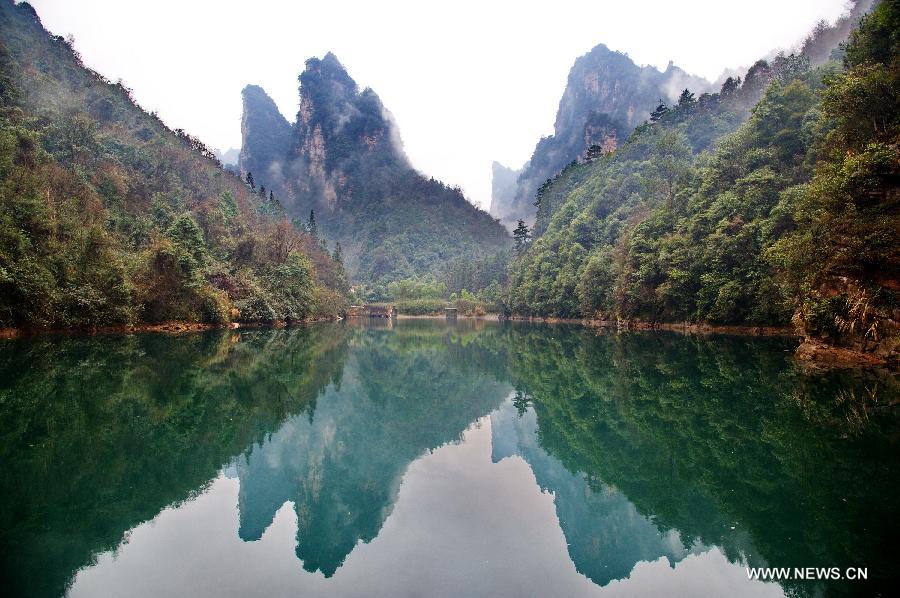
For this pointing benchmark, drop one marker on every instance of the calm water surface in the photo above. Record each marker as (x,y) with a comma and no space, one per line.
(427,459)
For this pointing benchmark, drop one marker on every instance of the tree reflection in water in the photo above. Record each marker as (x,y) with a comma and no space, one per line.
(653,444)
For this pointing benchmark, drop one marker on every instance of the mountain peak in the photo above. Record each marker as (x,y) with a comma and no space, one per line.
(261,120)
(251,90)
(317,71)
(607,95)
(343,159)
(332,59)
(601,49)
(256,99)
(336,121)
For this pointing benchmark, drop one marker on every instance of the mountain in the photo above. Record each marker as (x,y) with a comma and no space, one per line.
(607,95)
(503,193)
(107,217)
(788,218)
(826,39)
(228,157)
(343,159)
(266,136)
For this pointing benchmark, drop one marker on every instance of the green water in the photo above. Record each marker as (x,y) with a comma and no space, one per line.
(427,459)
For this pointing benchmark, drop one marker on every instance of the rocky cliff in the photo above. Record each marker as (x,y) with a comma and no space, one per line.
(266,138)
(343,158)
(607,95)
(340,131)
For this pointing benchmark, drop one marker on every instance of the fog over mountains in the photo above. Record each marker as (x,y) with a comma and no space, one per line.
(342,159)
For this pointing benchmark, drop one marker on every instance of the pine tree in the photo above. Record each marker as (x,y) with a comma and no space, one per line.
(262,191)
(338,255)
(686,101)
(250,180)
(271,195)
(594,152)
(522,237)
(542,203)
(311,227)
(730,88)
(659,112)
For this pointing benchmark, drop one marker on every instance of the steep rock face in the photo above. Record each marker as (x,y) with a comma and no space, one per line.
(503,191)
(606,97)
(266,138)
(602,132)
(343,159)
(338,130)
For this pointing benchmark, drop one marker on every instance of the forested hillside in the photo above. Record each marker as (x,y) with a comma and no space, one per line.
(791,217)
(343,161)
(107,217)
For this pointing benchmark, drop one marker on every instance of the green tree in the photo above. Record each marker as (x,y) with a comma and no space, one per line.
(521,237)
(544,209)
(186,235)
(686,101)
(839,262)
(595,152)
(311,227)
(730,88)
(659,112)
(669,162)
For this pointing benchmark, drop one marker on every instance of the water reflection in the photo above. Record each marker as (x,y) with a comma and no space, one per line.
(605,534)
(399,397)
(99,434)
(651,448)
(725,443)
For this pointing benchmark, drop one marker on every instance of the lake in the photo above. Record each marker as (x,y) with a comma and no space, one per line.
(423,458)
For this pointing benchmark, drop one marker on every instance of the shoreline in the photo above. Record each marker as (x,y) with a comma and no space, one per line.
(173,327)
(810,353)
(687,327)
(176,327)
(486,317)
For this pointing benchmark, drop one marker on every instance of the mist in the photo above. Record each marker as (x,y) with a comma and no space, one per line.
(467,84)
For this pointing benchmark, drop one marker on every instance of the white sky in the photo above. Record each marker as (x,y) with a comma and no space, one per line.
(467,81)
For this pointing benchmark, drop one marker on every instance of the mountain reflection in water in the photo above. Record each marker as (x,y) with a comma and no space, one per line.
(433,458)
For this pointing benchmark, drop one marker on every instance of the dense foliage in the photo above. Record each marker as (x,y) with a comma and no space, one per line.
(795,213)
(839,264)
(107,217)
(474,286)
